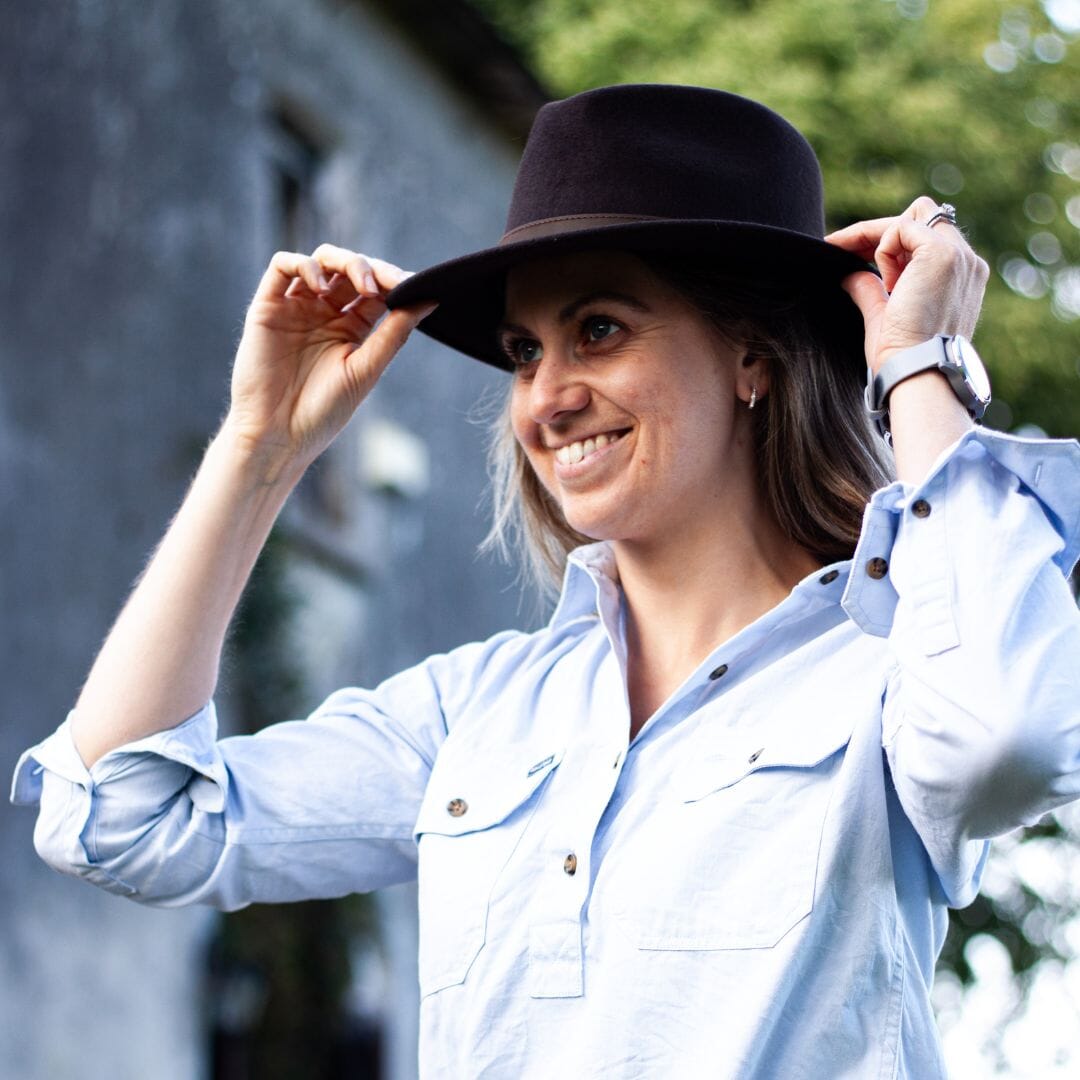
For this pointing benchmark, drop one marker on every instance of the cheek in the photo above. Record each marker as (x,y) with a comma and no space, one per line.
(520,423)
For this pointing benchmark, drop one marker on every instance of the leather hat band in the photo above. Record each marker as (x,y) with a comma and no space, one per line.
(571,223)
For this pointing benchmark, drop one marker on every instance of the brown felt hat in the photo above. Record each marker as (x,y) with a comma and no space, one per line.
(678,170)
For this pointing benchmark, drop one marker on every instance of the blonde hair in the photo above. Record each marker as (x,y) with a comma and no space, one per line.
(820,458)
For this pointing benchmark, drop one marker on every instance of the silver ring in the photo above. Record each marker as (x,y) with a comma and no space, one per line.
(946,212)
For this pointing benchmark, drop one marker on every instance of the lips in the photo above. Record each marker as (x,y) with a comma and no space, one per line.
(572,453)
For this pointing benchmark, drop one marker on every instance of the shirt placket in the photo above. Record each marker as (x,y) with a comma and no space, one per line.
(581,789)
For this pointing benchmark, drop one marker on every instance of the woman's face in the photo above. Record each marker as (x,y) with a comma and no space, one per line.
(624,398)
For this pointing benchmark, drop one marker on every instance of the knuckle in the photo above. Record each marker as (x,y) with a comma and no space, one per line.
(951,256)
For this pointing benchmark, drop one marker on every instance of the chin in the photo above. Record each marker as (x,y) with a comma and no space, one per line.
(596,526)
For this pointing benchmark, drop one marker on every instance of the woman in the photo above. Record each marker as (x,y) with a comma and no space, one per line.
(708,821)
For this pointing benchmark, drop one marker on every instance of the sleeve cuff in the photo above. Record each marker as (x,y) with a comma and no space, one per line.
(1048,469)
(58,755)
(192,743)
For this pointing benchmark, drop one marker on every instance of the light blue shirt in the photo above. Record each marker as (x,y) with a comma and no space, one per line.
(755,887)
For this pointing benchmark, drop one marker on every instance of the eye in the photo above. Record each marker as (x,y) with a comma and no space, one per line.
(521,352)
(598,327)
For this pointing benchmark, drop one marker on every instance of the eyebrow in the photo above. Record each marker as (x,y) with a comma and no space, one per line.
(567,313)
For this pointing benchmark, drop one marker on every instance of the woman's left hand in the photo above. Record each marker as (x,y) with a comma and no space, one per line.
(931,281)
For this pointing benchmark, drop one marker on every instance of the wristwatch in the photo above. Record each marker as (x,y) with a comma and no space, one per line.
(953,355)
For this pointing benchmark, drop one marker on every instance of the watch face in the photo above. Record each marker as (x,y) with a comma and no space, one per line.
(963,353)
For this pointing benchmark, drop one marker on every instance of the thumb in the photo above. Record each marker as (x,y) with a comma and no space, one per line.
(869,294)
(370,359)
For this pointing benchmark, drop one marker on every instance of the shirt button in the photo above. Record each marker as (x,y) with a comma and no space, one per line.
(877,568)
(920,508)
(719,672)
(570,864)
(829,577)
(456,807)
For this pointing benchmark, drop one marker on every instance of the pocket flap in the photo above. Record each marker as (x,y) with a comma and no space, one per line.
(465,796)
(750,752)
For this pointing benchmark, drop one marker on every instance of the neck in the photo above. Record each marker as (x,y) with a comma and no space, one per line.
(689,592)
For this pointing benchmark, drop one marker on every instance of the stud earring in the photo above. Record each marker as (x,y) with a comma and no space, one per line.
(753,396)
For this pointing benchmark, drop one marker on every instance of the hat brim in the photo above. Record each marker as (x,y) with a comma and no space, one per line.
(470,289)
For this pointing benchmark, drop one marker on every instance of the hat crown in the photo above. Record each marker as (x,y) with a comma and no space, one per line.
(676,152)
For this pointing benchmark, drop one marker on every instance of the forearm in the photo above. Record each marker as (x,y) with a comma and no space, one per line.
(160,662)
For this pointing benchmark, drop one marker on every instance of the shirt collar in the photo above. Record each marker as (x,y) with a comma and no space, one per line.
(591,578)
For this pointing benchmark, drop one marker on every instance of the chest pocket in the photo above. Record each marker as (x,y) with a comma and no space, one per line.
(730,858)
(470,822)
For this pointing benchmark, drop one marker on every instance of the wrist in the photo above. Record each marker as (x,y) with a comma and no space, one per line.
(951,356)
(926,418)
(263,462)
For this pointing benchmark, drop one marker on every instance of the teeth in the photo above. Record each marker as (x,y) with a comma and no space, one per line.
(577,451)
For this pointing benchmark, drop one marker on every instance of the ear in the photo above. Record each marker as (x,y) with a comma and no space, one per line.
(752,375)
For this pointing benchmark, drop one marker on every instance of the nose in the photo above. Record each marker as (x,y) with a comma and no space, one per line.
(556,389)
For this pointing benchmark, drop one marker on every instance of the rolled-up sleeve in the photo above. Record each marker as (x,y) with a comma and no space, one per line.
(966,575)
(314,808)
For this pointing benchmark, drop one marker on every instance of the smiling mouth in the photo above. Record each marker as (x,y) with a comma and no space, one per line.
(574,452)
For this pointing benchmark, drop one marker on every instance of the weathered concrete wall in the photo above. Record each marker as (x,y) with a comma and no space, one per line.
(136,212)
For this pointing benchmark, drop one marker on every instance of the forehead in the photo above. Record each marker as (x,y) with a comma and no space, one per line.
(556,279)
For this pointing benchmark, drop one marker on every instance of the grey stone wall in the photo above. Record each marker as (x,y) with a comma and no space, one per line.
(138,203)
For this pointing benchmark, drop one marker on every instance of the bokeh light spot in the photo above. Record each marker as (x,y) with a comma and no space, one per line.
(946,178)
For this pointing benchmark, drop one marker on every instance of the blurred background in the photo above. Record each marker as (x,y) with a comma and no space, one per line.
(153,154)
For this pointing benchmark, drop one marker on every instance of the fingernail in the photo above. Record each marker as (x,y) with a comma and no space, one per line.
(370,283)
(324,281)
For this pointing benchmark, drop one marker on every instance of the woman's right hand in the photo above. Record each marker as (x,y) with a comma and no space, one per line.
(312,349)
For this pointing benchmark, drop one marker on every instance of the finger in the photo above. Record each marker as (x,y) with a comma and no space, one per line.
(389,275)
(907,239)
(891,254)
(350,264)
(285,268)
(368,361)
(869,293)
(368,309)
(870,297)
(925,210)
(370,276)
(340,292)
(921,209)
(861,238)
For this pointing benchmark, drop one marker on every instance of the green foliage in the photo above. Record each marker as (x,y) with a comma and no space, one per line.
(898,99)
